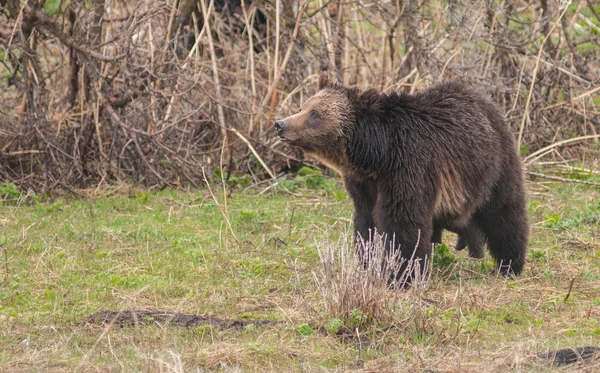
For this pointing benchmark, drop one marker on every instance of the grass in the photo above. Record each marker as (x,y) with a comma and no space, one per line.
(63,259)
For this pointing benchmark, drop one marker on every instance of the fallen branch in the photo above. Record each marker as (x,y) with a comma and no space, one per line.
(545,150)
(557,178)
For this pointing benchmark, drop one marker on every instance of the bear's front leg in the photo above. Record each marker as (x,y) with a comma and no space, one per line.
(408,225)
(436,236)
(364,196)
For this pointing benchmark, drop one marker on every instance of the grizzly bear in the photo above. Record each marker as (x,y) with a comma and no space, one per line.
(442,158)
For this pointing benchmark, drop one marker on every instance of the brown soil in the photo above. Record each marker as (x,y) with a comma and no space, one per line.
(567,356)
(148,317)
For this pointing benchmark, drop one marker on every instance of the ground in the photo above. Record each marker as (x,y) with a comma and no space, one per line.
(64,259)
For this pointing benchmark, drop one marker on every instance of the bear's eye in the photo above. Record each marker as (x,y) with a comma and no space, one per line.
(314,115)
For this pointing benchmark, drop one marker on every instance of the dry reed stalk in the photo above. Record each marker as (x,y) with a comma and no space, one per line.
(163,55)
(276,78)
(533,78)
(215,69)
(152,65)
(361,69)
(260,160)
(277,37)
(519,85)
(249,28)
(327,35)
(383,59)
(346,67)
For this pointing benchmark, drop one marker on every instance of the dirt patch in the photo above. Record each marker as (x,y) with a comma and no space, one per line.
(567,356)
(130,318)
(136,318)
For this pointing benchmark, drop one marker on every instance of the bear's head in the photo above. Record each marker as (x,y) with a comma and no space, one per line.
(321,125)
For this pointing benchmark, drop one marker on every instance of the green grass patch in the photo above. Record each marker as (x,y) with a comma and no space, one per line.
(62,259)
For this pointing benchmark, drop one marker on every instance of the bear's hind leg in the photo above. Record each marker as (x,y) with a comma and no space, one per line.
(507,231)
(472,237)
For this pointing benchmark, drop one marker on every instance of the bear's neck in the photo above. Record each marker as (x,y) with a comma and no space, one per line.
(335,163)
(338,162)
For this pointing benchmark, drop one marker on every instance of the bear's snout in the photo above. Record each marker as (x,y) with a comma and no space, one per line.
(279,127)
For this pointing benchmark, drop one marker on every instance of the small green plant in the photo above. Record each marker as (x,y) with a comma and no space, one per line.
(251,268)
(357,319)
(304,171)
(339,194)
(51,7)
(334,325)
(534,206)
(312,179)
(539,255)
(289,185)
(247,215)
(202,330)
(550,274)
(9,191)
(217,173)
(591,214)
(552,220)
(330,364)
(485,266)
(442,257)
(166,163)
(143,196)
(420,337)
(56,206)
(239,180)
(572,223)
(305,330)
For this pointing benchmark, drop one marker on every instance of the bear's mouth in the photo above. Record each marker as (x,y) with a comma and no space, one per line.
(282,137)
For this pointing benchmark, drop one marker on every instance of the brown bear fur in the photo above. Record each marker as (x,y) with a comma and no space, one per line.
(443,157)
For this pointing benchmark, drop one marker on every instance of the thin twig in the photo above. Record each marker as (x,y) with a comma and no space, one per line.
(225,216)
(570,288)
(575,99)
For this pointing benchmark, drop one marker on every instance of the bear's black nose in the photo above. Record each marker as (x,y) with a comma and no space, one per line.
(279,125)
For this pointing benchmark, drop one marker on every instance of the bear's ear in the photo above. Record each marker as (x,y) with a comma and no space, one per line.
(323,81)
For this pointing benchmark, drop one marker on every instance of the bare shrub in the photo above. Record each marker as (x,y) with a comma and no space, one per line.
(95,92)
(362,285)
